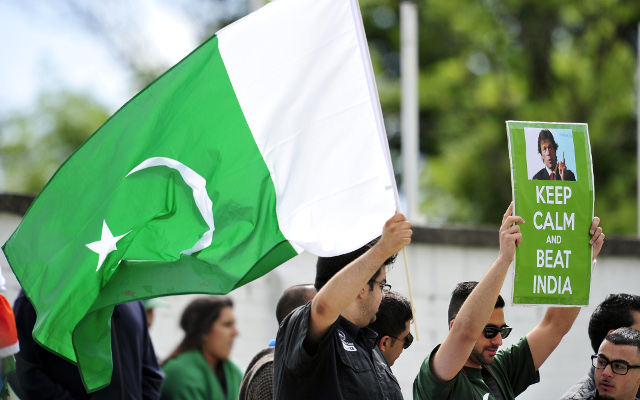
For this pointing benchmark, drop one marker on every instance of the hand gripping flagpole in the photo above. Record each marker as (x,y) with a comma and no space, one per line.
(373,92)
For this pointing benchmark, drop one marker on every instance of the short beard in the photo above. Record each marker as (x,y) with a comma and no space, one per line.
(476,357)
(605,397)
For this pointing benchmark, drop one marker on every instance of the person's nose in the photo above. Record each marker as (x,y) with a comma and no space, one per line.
(497,341)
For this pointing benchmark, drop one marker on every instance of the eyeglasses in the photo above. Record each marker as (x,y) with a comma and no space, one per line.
(406,342)
(618,367)
(491,331)
(385,286)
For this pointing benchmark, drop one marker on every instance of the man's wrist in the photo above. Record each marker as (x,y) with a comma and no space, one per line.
(504,259)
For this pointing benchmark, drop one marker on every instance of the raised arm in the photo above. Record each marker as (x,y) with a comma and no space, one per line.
(557,321)
(476,310)
(345,286)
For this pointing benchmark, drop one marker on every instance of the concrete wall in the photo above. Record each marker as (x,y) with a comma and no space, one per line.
(438,259)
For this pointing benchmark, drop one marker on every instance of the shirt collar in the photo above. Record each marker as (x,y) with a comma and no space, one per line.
(365,335)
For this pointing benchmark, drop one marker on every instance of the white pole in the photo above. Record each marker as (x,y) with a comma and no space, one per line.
(409,76)
(410,149)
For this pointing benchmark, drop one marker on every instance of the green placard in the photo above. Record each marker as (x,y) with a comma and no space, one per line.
(552,182)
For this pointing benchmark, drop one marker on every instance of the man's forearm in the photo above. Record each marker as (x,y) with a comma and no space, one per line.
(478,307)
(546,336)
(340,291)
(560,319)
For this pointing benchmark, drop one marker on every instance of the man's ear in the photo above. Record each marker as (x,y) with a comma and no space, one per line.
(362,291)
(384,343)
(451,323)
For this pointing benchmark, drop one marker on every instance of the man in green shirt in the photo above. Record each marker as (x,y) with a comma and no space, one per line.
(468,365)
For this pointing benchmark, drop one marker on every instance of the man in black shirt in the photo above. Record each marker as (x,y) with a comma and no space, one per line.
(324,350)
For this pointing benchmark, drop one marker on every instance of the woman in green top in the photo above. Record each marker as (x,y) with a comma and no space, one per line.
(199,367)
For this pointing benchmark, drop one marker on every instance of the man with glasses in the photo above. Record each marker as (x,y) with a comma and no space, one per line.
(617,366)
(618,310)
(392,326)
(324,349)
(468,365)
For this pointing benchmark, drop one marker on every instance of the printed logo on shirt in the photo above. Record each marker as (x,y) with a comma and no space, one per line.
(486,397)
(347,346)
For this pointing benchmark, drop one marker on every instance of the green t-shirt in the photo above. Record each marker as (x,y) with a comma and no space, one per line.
(512,369)
(189,377)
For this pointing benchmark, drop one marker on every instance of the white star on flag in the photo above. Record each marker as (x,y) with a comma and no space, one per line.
(106,244)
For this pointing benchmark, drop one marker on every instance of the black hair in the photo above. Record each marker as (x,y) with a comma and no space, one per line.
(460,294)
(292,298)
(197,319)
(613,313)
(546,134)
(625,336)
(392,316)
(327,267)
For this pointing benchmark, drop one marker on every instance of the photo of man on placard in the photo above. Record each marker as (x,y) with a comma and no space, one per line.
(545,159)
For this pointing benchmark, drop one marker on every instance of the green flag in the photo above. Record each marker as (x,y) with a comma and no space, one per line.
(553,192)
(265,141)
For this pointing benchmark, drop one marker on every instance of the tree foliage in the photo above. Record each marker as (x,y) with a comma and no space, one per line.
(483,62)
(34,144)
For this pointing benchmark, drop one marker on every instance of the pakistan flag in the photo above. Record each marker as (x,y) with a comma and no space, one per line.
(266,140)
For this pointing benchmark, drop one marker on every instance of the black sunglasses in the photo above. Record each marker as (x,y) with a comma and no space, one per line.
(491,331)
(406,342)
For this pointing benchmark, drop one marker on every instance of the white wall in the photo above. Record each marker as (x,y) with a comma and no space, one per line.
(435,270)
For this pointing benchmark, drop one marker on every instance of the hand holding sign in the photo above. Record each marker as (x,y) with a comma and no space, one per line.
(510,235)
(597,238)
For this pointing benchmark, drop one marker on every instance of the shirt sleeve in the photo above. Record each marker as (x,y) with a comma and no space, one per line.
(299,361)
(517,363)
(428,386)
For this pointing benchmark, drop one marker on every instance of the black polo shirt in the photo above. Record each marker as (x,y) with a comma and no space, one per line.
(343,366)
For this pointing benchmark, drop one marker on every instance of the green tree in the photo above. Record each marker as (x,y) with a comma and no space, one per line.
(34,144)
(484,62)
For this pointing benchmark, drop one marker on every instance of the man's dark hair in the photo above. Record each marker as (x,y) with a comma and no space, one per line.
(327,267)
(613,313)
(392,316)
(460,294)
(625,336)
(292,298)
(544,135)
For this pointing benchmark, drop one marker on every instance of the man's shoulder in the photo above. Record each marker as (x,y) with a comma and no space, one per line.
(521,347)
(541,175)
(427,385)
(299,315)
